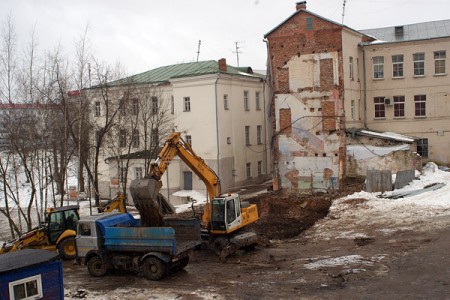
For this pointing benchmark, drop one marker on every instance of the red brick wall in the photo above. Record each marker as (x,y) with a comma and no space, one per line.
(285,120)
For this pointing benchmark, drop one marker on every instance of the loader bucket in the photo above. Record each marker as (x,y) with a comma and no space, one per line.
(145,193)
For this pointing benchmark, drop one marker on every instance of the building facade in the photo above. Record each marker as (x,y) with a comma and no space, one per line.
(220,110)
(329,80)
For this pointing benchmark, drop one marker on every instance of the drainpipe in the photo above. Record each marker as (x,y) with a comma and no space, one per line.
(365,86)
(217,126)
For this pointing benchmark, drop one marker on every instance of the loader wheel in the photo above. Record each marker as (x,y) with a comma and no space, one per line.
(67,248)
(96,266)
(154,268)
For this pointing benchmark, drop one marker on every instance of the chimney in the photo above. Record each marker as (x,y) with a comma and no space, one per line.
(300,5)
(399,31)
(223,64)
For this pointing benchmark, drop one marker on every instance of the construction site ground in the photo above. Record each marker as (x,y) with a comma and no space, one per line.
(304,253)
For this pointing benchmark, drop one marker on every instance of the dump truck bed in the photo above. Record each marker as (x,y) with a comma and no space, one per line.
(123,233)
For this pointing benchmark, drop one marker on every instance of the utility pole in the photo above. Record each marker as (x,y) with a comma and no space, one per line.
(343,11)
(198,49)
(237,52)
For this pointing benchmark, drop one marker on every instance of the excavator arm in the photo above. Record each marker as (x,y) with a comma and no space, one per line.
(148,188)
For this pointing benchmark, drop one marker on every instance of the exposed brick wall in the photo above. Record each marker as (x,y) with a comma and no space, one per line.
(326,74)
(328,116)
(285,120)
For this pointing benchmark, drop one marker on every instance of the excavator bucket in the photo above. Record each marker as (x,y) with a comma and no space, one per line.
(149,202)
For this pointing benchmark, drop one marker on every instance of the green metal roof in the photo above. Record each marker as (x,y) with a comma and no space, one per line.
(164,74)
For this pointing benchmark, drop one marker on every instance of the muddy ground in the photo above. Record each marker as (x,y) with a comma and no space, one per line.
(404,264)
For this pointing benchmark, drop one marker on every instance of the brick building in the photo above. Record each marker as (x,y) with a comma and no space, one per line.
(330,82)
(306,55)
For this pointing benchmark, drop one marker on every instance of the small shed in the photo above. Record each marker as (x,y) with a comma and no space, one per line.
(31,274)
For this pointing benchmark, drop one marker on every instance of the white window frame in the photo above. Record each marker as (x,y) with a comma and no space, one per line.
(98,109)
(172,105)
(378,67)
(257,100)
(37,278)
(247,135)
(259,167)
(154,105)
(134,106)
(186,103)
(259,134)
(225,102)
(138,173)
(398,66)
(351,67)
(439,57)
(352,109)
(419,64)
(188,139)
(135,138)
(122,138)
(246,107)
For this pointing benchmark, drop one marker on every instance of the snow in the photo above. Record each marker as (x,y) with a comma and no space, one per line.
(197,197)
(343,261)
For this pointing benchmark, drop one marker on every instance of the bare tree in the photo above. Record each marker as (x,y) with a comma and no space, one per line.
(8,60)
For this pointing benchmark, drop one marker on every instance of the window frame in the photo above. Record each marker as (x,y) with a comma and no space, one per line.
(259,134)
(135,106)
(259,167)
(122,138)
(438,60)
(172,105)
(154,103)
(188,139)
(399,106)
(350,63)
(186,104)
(247,135)
(97,109)
(378,67)
(398,70)
(135,138)
(246,100)
(24,281)
(138,173)
(420,106)
(419,64)
(225,102)
(379,107)
(257,100)
(422,147)
(248,170)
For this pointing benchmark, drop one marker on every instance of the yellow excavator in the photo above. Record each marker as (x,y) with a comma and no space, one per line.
(224,219)
(58,231)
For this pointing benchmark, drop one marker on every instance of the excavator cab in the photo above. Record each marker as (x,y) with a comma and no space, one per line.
(225,213)
(61,219)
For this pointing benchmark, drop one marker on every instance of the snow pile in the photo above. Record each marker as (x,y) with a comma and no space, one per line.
(361,152)
(343,261)
(353,216)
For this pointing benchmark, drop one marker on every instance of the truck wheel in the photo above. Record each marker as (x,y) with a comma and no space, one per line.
(154,268)
(67,248)
(96,266)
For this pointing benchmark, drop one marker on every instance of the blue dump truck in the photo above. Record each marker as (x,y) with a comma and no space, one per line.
(117,241)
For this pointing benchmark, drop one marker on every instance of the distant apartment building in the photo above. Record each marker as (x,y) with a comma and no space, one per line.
(219,109)
(330,81)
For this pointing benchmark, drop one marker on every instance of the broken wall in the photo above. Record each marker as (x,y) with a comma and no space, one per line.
(307,108)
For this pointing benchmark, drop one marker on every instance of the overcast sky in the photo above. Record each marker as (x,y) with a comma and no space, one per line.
(146,34)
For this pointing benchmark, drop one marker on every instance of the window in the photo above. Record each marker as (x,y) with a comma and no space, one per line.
(122,174)
(138,174)
(397,65)
(419,64)
(27,288)
(439,62)
(246,100)
(247,135)
(172,105)
(135,138)
(249,170)
(189,140)
(228,140)
(225,102)
(309,23)
(379,107)
(422,147)
(123,107)
(186,104)
(231,212)
(352,109)
(258,134)
(134,106)
(154,105)
(420,105)
(399,106)
(258,103)
(351,67)
(155,137)
(84,229)
(378,67)
(122,138)
(97,109)
(259,168)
